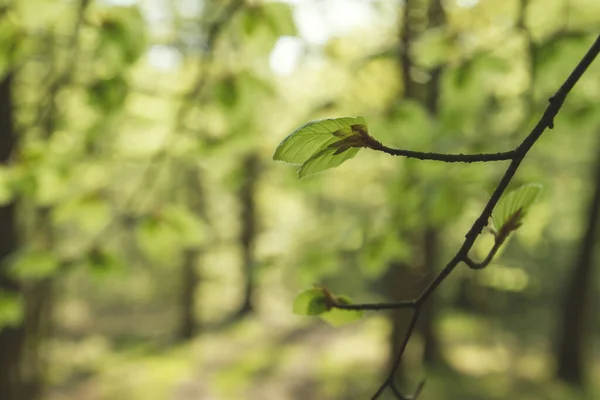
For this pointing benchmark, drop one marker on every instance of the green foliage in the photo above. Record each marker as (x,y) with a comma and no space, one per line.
(122,35)
(34,264)
(310,302)
(323,144)
(277,18)
(513,207)
(108,95)
(11,309)
(343,228)
(11,36)
(320,302)
(101,262)
(226,92)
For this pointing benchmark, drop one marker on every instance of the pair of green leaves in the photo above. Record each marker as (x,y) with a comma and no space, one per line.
(321,302)
(327,143)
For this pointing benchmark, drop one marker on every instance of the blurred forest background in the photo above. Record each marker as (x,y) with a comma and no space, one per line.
(151,249)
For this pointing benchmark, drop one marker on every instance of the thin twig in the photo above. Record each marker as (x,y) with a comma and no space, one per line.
(488,259)
(377,306)
(449,158)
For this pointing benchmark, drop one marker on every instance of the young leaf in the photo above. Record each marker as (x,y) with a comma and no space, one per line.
(337,317)
(325,159)
(513,207)
(323,144)
(319,301)
(310,302)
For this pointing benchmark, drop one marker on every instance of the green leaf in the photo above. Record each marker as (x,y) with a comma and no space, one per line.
(513,207)
(337,317)
(323,144)
(325,159)
(318,301)
(34,264)
(11,309)
(310,302)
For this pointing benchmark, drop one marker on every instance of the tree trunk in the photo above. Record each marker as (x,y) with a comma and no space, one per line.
(196,200)
(573,341)
(189,285)
(400,284)
(38,325)
(11,337)
(248,230)
(426,326)
(427,239)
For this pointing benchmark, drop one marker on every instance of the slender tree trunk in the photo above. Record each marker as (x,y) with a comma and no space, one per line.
(249,229)
(573,342)
(431,242)
(189,285)
(191,278)
(400,284)
(426,327)
(427,239)
(38,325)
(11,337)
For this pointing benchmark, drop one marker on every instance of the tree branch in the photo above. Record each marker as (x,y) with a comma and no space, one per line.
(488,259)
(516,156)
(377,306)
(449,158)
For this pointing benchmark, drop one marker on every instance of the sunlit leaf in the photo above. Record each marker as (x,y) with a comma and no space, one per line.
(310,302)
(513,207)
(323,144)
(305,141)
(338,317)
(325,159)
(319,301)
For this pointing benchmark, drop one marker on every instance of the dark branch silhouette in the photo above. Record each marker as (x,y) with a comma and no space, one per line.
(462,255)
(450,158)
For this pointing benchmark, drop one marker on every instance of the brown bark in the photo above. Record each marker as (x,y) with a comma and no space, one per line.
(573,341)
(248,230)
(190,281)
(400,284)
(11,337)
(191,278)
